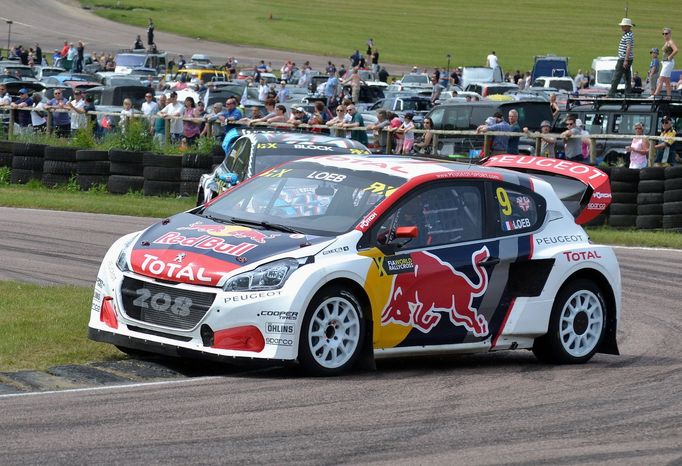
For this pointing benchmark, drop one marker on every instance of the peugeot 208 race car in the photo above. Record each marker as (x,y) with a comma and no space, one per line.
(327,259)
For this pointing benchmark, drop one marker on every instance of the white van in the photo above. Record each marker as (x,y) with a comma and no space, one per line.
(603,69)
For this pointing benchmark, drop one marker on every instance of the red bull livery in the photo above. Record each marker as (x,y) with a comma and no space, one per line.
(340,259)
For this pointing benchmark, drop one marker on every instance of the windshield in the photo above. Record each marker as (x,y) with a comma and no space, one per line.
(306,196)
(415,79)
(479,74)
(606,76)
(23,72)
(417,105)
(130,60)
(562,84)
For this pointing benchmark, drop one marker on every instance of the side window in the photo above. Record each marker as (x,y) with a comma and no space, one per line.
(241,159)
(596,123)
(625,123)
(437,118)
(444,214)
(517,210)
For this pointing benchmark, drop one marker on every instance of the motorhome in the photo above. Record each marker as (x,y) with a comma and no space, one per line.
(603,69)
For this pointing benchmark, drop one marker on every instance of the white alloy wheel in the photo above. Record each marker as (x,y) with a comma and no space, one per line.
(334,332)
(581,323)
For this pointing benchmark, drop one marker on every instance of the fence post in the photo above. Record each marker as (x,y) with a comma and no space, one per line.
(389,137)
(593,151)
(166,127)
(434,144)
(538,144)
(10,129)
(49,121)
(485,145)
(652,152)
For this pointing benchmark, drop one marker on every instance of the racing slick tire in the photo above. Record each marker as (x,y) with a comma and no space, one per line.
(576,326)
(59,167)
(624,174)
(150,159)
(673,172)
(20,176)
(125,156)
(649,222)
(202,161)
(188,188)
(120,184)
(622,220)
(191,174)
(126,169)
(650,209)
(332,333)
(624,198)
(160,188)
(672,195)
(161,173)
(27,149)
(672,208)
(23,162)
(6,159)
(649,198)
(652,173)
(623,209)
(88,155)
(671,222)
(86,167)
(651,186)
(624,186)
(673,183)
(60,153)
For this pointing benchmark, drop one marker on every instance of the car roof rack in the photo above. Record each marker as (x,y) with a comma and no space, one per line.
(658,102)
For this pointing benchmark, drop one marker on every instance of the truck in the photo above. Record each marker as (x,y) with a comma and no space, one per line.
(127,60)
(602,70)
(549,65)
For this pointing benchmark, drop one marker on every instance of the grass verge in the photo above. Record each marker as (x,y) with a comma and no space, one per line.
(34,196)
(411,32)
(44,326)
(632,237)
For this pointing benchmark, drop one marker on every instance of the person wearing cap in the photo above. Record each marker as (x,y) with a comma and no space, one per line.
(665,155)
(61,121)
(22,117)
(669,52)
(547,141)
(638,148)
(626,54)
(298,116)
(654,70)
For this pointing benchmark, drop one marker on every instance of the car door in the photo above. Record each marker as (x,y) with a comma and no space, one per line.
(439,279)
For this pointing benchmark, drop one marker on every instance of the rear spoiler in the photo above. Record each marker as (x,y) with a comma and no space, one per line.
(586,199)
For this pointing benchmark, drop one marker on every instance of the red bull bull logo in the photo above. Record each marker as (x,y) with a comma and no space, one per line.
(234,231)
(430,287)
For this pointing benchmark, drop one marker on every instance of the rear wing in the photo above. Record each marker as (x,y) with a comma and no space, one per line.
(585,190)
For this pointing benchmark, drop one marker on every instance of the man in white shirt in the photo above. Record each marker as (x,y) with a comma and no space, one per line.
(263,90)
(5,98)
(38,114)
(78,118)
(174,109)
(149,106)
(492,60)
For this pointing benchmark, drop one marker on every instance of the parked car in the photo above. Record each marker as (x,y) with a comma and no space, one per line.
(470,115)
(604,116)
(480,74)
(420,81)
(16,69)
(255,151)
(565,84)
(110,99)
(333,260)
(43,72)
(401,104)
(488,89)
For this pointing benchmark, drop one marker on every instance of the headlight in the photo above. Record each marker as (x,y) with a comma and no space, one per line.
(266,277)
(122,261)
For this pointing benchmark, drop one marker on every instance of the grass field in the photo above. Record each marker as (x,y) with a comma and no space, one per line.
(411,32)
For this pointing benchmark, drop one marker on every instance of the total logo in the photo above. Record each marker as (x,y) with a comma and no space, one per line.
(188,273)
(576,256)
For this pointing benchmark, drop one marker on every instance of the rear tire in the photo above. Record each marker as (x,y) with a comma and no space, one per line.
(576,326)
(332,332)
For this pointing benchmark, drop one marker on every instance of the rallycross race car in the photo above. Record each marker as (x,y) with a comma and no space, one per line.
(339,259)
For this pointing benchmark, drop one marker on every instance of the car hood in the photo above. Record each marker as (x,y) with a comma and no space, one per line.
(191,249)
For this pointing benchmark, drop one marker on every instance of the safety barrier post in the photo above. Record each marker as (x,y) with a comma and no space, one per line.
(538,144)
(484,152)
(166,126)
(434,144)
(389,136)
(652,152)
(10,129)
(49,121)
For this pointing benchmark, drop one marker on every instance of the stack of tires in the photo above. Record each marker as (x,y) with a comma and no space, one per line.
(126,170)
(672,198)
(59,166)
(161,174)
(650,198)
(6,153)
(623,209)
(193,166)
(218,155)
(27,162)
(92,168)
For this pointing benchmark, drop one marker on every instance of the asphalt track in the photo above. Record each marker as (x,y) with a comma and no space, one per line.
(51,22)
(501,408)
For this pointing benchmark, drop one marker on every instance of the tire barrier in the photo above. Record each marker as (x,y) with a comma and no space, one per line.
(672,198)
(59,165)
(92,168)
(193,166)
(161,174)
(6,153)
(27,162)
(650,189)
(623,208)
(125,171)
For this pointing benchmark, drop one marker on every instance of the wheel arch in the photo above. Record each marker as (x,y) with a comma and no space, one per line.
(366,358)
(608,344)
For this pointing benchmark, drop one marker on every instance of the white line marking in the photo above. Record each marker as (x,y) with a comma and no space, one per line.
(110,387)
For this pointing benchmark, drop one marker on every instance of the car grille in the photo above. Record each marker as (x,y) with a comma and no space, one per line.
(164,305)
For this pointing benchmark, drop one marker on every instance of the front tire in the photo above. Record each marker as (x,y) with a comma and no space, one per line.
(576,327)
(332,332)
